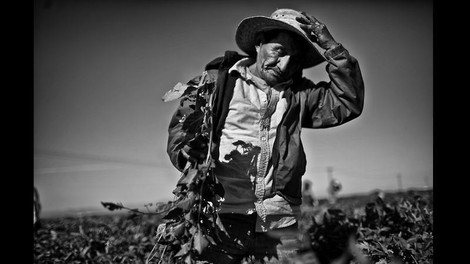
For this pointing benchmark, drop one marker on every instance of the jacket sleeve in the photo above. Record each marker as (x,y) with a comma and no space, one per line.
(176,135)
(341,99)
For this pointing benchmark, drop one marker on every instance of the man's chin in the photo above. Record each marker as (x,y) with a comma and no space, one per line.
(273,80)
(270,78)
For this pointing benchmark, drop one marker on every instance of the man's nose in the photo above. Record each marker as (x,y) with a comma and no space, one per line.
(283,62)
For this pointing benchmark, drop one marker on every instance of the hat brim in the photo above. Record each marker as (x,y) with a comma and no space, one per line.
(247,30)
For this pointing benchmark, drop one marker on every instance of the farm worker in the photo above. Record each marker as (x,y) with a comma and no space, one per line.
(308,199)
(333,189)
(262,101)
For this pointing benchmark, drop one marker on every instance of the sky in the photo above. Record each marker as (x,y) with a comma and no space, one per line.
(101,68)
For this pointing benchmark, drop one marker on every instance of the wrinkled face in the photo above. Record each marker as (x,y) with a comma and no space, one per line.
(278,58)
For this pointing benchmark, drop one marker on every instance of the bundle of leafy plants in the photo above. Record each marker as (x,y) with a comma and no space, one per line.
(192,221)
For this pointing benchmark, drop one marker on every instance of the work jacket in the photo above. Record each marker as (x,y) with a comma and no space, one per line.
(309,105)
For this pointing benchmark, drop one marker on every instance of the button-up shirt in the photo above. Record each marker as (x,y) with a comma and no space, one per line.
(245,169)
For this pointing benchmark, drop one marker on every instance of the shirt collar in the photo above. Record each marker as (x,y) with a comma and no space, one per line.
(240,68)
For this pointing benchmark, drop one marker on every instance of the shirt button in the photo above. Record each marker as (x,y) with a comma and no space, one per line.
(263,138)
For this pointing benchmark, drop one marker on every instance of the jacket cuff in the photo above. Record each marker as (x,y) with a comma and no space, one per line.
(335,51)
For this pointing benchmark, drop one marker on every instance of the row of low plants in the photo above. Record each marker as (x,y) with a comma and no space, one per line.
(117,238)
(396,229)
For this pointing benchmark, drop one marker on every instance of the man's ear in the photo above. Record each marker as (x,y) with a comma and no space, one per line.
(259,41)
(258,47)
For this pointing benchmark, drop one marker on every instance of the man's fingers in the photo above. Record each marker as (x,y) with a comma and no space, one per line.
(309,23)
(303,20)
(308,26)
(305,24)
(308,19)
(305,27)
(306,16)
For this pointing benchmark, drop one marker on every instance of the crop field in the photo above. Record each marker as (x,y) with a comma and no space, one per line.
(393,228)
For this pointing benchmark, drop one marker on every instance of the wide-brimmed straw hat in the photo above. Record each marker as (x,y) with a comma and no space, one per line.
(283,18)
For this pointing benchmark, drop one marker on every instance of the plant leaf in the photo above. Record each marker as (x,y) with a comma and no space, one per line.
(174,213)
(164,207)
(184,250)
(178,230)
(177,91)
(220,225)
(189,259)
(200,242)
(193,122)
(188,177)
(219,189)
(112,206)
(187,203)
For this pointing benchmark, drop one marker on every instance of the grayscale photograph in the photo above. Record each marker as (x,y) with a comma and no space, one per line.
(234,132)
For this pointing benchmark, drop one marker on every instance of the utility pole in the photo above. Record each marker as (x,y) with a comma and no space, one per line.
(329,170)
(333,186)
(426,182)
(399,182)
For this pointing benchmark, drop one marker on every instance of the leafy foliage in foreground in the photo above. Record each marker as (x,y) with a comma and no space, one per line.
(397,229)
(400,231)
(123,238)
(193,221)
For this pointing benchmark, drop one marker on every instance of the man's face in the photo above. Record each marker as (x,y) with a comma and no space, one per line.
(277,58)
